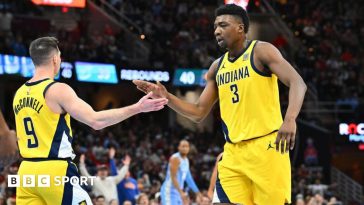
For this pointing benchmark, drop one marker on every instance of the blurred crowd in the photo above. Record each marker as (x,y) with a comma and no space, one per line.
(331,56)
(181,35)
(76,42)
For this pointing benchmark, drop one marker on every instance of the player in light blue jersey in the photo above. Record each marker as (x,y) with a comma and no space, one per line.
(178,173)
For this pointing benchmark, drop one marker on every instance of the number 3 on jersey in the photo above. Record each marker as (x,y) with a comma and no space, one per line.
(234,89)
(29,130)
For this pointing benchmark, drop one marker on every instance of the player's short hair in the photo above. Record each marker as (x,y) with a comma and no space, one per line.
(234,10)
(41,49)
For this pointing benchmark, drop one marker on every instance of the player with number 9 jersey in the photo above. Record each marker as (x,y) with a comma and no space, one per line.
(45,142)
(42,111)
(41,132)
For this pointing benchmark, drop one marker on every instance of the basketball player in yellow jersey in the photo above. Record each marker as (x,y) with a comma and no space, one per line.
(42,111)
(244,81)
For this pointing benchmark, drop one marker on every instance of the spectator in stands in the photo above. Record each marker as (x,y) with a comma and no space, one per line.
(18,46)
(114,202)
(127,202)
(316,200)
(5,21)
(100,200)
(300,202)
(103,184)
(128,187)
(318,188)
(310,153)
(143,199)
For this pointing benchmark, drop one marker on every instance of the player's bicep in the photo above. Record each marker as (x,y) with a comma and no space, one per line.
(68,100)
(173,164)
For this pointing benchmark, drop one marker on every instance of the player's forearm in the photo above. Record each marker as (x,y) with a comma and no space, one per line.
(121,174)
(189,110)
(213,180)
(83,170)
(297,90)
(176,184)
(110,117)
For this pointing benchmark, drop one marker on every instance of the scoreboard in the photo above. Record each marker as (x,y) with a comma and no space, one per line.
(189,77)
(96,72)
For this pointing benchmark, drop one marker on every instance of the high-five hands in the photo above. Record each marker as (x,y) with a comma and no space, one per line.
(146,104)
(159,91)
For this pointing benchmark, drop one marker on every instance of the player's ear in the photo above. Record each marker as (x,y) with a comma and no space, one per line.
(241,28)
(54,59)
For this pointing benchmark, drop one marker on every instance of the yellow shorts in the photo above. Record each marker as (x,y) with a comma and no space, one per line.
(252,172)
(57,193)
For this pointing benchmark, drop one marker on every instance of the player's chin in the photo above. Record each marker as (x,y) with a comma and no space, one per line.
(222,44)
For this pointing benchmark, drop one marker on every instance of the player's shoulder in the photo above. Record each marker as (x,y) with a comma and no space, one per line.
(266,51)
(57,89)
(260,45)
(175,158)
(218,61)
(215,66)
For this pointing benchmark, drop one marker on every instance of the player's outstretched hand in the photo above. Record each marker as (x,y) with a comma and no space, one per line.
(286,136)
(146,104)
(159,91)
(127,160)
(9,151)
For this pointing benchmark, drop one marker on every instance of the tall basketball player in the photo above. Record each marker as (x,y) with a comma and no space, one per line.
(42,111)
(244,81)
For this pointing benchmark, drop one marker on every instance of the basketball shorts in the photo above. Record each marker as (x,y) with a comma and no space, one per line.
(253,172)
(169,197)
(56,193)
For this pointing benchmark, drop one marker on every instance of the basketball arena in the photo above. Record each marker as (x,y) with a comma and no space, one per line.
(181,102)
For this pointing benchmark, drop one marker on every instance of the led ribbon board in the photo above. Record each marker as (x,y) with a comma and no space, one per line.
(189,77)
(96,72)
(148,75)
(64,3)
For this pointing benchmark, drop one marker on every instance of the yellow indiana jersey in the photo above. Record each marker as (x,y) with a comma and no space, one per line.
(41,132)
(249,98)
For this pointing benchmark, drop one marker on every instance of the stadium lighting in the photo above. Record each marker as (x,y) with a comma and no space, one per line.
(242,3)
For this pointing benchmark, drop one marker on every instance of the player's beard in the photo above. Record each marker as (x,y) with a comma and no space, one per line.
(222,44)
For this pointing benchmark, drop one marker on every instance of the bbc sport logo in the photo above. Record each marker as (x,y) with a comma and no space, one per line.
(45,180)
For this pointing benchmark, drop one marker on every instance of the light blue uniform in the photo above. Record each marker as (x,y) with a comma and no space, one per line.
(169,193)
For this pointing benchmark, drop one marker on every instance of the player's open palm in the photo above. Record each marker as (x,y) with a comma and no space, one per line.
(159,91)
(146,104)
(127,160)
(286,136)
